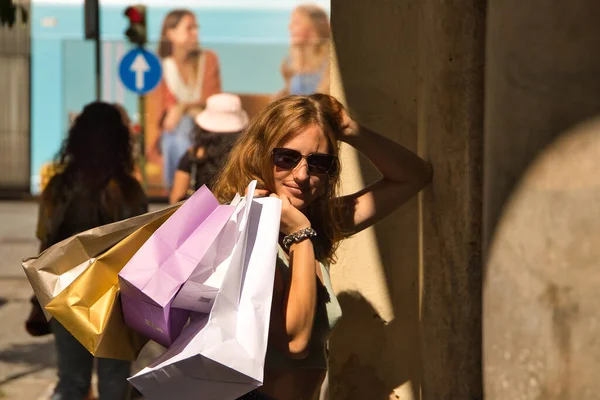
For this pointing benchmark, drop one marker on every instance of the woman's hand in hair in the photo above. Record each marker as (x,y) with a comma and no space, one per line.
(349,128)
(292,219)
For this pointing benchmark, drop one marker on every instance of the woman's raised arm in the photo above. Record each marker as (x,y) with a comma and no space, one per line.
(403,172)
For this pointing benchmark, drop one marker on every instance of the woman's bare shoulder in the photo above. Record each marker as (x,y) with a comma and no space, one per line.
(210,55)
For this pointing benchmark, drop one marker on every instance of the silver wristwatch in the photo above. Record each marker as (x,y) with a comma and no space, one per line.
(297,237)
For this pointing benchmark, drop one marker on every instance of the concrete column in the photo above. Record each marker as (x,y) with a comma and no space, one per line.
(412,70)
(541,282)
(375,351)
(450,126)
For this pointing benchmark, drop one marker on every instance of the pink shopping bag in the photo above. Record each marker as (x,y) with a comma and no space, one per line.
(151,279)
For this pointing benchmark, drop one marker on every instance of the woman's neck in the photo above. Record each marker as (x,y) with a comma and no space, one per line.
(180,55)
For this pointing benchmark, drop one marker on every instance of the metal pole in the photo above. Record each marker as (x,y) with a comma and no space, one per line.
(142,141)
(98,42)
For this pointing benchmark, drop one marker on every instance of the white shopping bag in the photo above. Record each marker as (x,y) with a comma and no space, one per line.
(221,355)
(198,293)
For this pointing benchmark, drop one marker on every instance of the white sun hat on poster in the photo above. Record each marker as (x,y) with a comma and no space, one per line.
(223,113)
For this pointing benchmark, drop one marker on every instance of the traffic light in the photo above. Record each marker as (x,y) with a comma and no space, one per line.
(8,13)
(92,18)
(136,32)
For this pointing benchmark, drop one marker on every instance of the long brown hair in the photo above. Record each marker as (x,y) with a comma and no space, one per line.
(251,159)
(172,19)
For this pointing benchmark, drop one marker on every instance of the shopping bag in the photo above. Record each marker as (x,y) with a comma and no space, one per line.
(151,279)
(221,355)
(58,266)
(90,309)
(199,291)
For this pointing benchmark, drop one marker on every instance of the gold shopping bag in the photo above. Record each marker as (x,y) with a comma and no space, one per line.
(90,309)
(58,266)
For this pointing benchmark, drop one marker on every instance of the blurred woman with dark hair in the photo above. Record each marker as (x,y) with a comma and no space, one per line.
(95,188)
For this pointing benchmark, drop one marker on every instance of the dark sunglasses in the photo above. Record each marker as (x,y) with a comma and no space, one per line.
(318,163)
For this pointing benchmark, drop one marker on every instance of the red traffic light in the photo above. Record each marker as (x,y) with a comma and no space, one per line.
(135,15)
(136,31)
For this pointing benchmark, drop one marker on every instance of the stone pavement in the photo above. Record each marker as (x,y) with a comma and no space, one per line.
(27,364)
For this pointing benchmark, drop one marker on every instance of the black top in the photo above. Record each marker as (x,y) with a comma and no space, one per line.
(206,168)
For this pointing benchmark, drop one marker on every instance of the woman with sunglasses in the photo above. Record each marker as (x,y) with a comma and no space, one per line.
(291,149)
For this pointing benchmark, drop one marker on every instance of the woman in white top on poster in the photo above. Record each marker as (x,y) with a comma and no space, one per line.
(191,74)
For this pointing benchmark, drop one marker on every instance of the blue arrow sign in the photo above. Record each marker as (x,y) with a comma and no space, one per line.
(140,71)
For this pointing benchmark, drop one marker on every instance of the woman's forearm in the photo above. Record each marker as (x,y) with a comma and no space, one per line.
(404,175)
(172,117)
(300,304)
(395,162)
(181,184)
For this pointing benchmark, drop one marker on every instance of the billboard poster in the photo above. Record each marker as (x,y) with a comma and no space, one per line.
(203,47)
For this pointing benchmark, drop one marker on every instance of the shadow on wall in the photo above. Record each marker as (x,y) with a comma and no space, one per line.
(365,346)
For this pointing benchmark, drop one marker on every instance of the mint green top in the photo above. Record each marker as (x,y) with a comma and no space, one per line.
(327,315)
